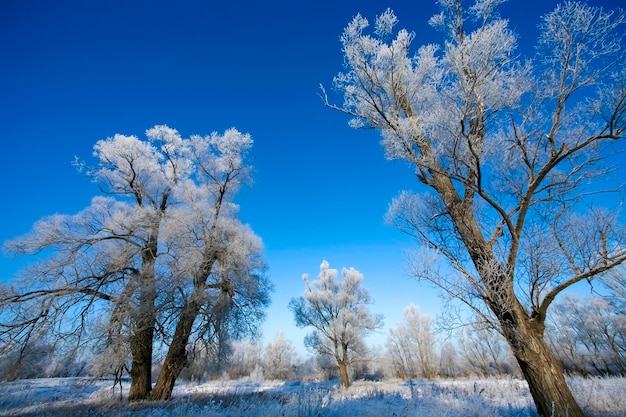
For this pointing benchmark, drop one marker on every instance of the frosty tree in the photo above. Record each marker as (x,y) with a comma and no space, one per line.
(484,350)
(339,315)
(162,247)
(411,345)
(589,335)
(512,156)
(279,358)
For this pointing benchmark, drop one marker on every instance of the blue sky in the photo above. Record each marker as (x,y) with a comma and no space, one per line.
(74,72)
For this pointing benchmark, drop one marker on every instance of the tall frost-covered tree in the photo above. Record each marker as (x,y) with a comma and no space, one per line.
(511,154)
(339,315)
(217,259)
(162,245)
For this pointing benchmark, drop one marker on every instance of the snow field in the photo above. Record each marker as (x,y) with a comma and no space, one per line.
(506,397)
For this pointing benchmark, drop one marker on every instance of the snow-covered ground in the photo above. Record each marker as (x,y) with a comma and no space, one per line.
(463,398)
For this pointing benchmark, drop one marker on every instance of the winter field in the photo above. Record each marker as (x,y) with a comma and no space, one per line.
(505,396)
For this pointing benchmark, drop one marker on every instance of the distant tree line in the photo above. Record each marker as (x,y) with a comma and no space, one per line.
(588,337)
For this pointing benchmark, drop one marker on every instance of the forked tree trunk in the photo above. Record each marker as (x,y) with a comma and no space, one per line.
(542,371)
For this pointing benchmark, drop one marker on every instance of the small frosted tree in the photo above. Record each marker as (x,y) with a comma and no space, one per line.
(279,358)
(245,358)
(411,345)
(589,335)
(339,315)
(510,154)
(449,361)
(484,350)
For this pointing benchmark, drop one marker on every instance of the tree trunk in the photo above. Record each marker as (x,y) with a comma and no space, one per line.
(343,374)
(142,339)
(141,368)
(141,347)
(176,357)
(542,371)
(342,362)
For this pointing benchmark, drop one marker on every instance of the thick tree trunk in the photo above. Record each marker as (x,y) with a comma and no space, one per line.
(142,339)
(176,358)
(343,374)
(141,368)
(542,371)
(342,362)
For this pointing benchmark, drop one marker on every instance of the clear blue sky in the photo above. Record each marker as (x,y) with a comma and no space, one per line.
(74,72)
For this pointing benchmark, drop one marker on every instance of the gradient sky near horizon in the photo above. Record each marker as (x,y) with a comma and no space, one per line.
(74,72)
